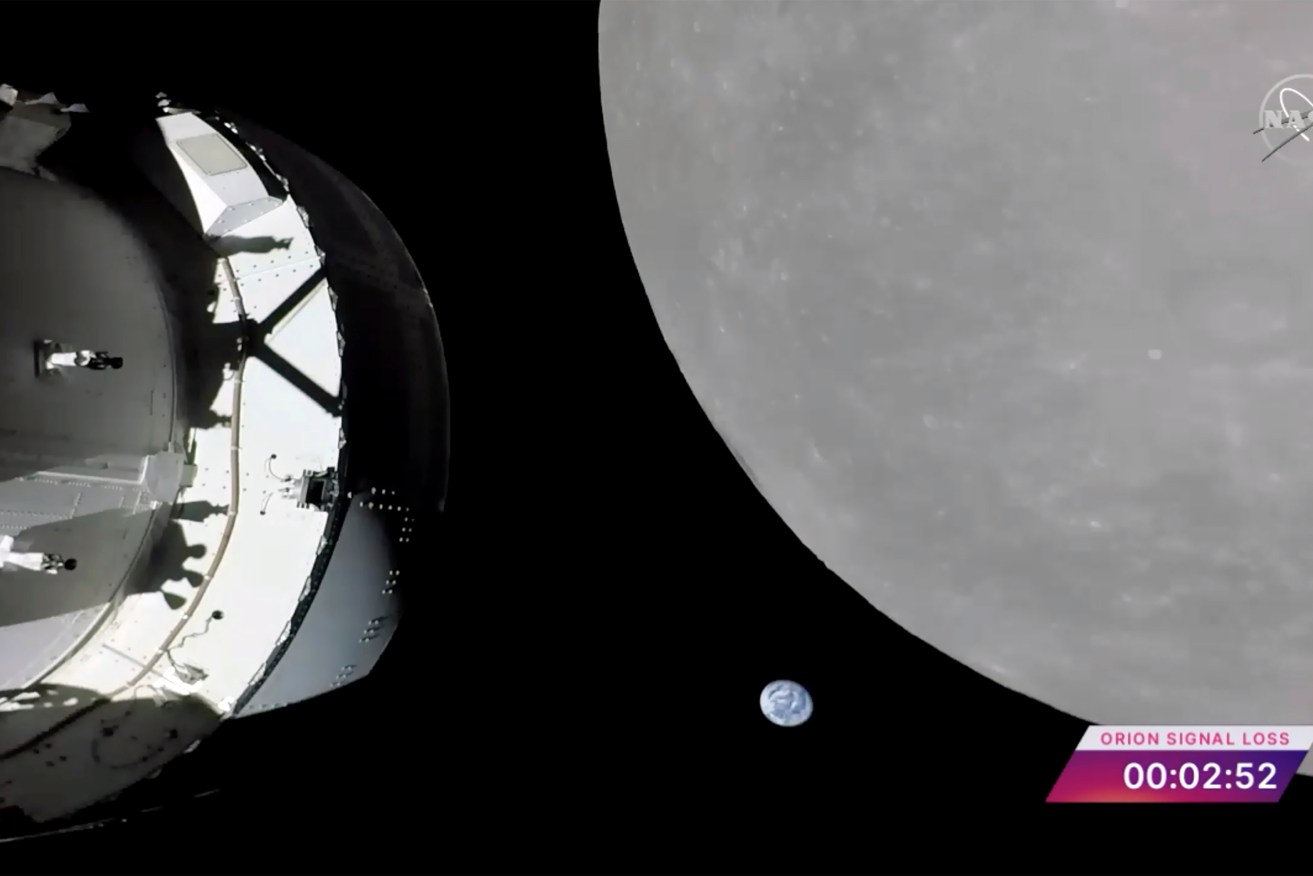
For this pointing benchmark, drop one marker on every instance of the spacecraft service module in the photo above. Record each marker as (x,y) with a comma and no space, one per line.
(203,421)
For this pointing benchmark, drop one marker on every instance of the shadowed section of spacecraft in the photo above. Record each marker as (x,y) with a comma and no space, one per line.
(256,335)
(96,541)
(166,565)
(69,740)
(29,125)
(98,158)
(52,240)
(228,246)
(198,511)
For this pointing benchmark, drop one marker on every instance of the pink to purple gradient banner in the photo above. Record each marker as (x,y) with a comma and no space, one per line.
(1220,764)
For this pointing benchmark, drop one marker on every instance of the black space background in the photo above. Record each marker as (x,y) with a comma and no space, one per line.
(575,685)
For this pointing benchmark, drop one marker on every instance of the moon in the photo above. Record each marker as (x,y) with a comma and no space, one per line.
(1005,316)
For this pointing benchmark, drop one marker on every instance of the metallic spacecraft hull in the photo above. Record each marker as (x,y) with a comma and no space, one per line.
(245,496)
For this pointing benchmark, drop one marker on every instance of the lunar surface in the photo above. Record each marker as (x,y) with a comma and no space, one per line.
(1006,317)
(786,703)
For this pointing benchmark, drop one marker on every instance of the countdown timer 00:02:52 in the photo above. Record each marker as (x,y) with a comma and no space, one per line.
(1209,776)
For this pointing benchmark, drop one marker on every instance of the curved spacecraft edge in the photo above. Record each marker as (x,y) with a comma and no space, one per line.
(242,492)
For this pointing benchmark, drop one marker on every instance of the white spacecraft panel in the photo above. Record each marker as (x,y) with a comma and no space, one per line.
(356,606)
(270,544)
(269,258)
(222,191)
(307,338)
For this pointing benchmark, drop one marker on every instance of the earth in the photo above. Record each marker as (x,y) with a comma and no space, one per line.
(786,703)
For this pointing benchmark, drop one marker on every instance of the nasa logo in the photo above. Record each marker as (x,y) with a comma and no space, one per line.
(1285,120)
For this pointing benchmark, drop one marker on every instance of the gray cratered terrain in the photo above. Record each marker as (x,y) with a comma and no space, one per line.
(1006,318)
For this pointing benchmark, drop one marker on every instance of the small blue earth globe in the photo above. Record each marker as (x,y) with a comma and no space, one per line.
(786,703)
